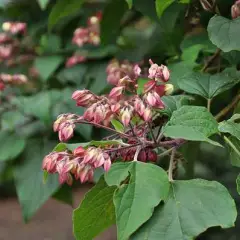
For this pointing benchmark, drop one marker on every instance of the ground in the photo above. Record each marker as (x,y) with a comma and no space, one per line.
(52,221)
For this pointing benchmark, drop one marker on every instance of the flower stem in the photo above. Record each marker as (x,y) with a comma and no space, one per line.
(229,142)
(166,152)
(136,153)
(209,104)
(152,134)
(171,164)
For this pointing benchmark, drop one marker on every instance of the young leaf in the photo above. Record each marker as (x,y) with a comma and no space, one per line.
(117,125)
(11,146)
(43,4)
(230,126)
(47,65)
(191,123)
(206,85)
(28,177)
(161,5)
(95,213)
(110,24)
(224,33)
(191,208)
(62,9)
(135,201)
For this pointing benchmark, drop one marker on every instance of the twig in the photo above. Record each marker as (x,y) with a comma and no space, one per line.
(211,60)
(152,134)
(171,165)
(166,152)
(225,110)
(136,153)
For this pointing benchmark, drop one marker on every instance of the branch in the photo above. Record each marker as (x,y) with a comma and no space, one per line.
(228,108)
(171,165)
(211,60)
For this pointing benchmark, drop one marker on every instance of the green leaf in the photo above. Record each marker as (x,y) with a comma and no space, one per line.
(50,43)
(161,5)
(147,8)
(173,103)
(129,2)
(191,123)
(95,213)
(230,126)
(11,145)
(238,184)
(110,23)
(141,82)
(63,8)
(32,192)
(224,33)
(191,208)
(131,205)
(234,150)
(190,54)
(117,125)
(64,194)
(43,4)
(47,65)
(206,85)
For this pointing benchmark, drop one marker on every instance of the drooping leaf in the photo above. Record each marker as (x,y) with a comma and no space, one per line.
(11,145)
(64,194)
(28,177)
(206,85)
(161,5)
(47,65)
(224,33)
(173,103)
(191,208)
(135,200)
(191,123)
(62,9)
(129,2)
(95,213)
(110,23)
(230,126)
(43,4)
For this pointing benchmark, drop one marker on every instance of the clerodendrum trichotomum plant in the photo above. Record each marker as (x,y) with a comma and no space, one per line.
(150,123)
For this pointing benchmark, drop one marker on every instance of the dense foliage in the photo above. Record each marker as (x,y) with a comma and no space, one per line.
(144,97)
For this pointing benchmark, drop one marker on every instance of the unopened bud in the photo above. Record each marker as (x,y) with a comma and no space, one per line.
(235,10)
(207,5)
(6,26)
(169,89)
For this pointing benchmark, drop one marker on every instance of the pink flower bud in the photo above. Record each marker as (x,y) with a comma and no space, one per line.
(4,38)
(154,100)
(126,115)
(66,131)
(147,116)
(99,114)
(83,97)
(149,86)
(139,106)
(207,5)
(107,162)
(2,86)
(74,60)
(235,10)
(115,107)
(137,70)
(79,151)
(116,93)
(158,73)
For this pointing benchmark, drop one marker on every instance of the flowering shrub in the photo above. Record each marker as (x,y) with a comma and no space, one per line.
(156,85)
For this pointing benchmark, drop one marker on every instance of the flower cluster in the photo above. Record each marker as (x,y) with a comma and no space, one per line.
(87,35)
(81,163)
(124,103)
(235,10)
(15,79)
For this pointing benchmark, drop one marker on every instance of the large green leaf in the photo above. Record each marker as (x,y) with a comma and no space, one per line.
(206,85)
(173,103)
(230,126)
(161,5)
(110,24)
(64,194)
(11,145)
(95,213)
(191,123)
(63,8)
(135,201)
(47,65)
(192,207)
(32,192)
(224,33)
